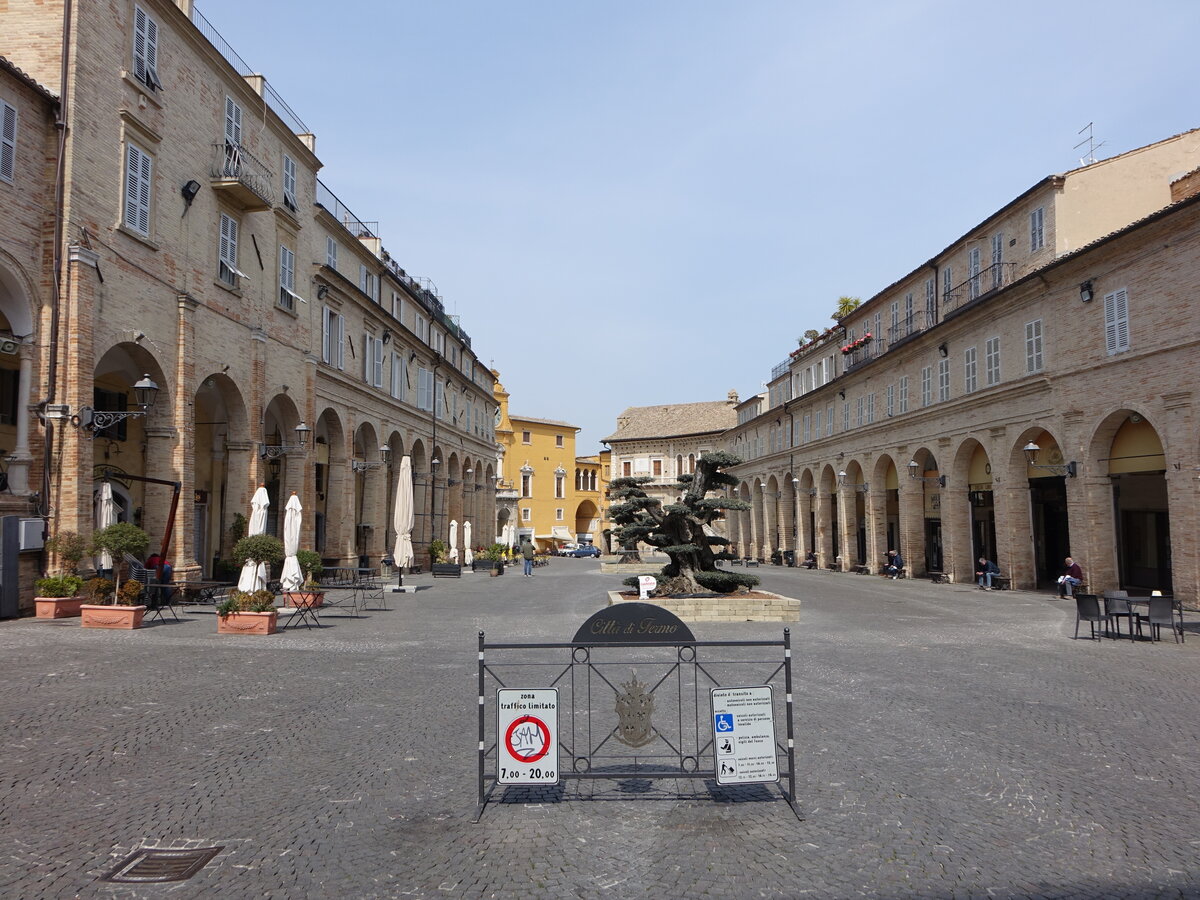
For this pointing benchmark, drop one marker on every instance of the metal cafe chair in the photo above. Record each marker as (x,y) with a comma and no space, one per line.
(1087,609)
(1162,612)
(1116,608)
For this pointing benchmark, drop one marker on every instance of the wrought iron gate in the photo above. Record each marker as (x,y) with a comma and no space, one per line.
(633,710)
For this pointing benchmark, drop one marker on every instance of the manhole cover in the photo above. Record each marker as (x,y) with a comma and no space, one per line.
(151,865)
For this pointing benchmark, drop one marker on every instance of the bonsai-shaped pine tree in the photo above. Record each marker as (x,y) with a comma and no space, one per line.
(678,529)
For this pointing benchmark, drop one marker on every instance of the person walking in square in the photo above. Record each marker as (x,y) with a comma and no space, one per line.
(527,554)
(987,571)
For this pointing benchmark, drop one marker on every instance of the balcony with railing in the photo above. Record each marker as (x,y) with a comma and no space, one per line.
(860,355)
(348,220)
(241,177)
(978,286)
(912,324)
(781,369)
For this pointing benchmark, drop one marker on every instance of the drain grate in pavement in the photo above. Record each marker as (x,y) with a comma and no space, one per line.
(153,865)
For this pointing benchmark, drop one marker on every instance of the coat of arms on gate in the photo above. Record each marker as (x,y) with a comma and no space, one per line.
(634,708)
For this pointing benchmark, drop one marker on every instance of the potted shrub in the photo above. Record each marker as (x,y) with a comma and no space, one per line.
(438,554)
(247,612)
(58,596)
(492,559)
(310,593)
(118,539)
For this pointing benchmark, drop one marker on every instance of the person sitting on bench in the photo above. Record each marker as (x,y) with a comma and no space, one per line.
(810,560)
(987,571)
(893,565)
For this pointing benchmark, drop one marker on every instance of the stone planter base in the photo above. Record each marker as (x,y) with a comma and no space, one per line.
(313,599)
(122,617)
(58,607)
(766,607)
(247,623)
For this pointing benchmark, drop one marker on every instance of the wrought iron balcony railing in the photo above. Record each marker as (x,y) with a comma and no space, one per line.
(906,327)
(990,279)
(242,176)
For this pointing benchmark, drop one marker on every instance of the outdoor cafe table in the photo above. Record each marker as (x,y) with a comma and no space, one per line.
(202,592)
(344,576)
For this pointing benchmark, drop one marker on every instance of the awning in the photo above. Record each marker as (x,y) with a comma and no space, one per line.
(561,533)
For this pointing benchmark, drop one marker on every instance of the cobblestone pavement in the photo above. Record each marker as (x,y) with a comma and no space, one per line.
(952,743)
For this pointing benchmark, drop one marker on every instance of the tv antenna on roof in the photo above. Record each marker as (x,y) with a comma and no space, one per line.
(1092,146)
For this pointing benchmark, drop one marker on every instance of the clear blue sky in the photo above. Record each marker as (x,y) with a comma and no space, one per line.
(633,203)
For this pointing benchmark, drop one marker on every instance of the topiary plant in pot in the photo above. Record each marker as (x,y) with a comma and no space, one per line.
(118,539)
(58,596)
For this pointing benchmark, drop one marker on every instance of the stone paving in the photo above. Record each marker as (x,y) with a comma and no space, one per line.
(951,743)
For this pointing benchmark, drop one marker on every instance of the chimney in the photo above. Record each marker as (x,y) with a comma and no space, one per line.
(733,398)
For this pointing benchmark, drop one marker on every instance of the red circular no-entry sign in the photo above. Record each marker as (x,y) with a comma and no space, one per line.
(542,743)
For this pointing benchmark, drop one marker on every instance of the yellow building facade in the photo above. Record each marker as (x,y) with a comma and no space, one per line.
(545,491)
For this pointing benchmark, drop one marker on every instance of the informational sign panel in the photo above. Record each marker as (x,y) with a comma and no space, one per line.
(744,735)
(527,736)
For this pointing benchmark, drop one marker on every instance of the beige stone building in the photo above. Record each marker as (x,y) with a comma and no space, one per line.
(1027,393)
(197,246)
(664,441)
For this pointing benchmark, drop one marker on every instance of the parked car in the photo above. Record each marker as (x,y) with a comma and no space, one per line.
(583,550)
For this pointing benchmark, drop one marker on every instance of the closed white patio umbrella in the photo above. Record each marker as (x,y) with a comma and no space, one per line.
(292,578)
(454,540)
(402,520)
(106,514)
(254,577)
(468,554)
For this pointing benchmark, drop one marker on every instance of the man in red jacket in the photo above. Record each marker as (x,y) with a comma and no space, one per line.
(1071,576)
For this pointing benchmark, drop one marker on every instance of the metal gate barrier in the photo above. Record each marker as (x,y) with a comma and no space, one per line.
(633,708)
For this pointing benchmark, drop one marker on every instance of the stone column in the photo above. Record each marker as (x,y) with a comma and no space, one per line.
(956,533)
(71,483)
(19,458)
(1014,532)
(912,525)
(162,445)
(239,487)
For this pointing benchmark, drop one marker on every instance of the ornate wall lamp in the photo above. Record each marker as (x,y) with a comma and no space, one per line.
(362,465)
(914,472)
(1031,451)
(95,421)
(274,451)
(861,488)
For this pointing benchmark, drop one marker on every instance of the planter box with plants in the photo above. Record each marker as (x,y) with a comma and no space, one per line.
(490,559)
(310,593)
(438,565)
(58,596)
(247,613)
(115,605)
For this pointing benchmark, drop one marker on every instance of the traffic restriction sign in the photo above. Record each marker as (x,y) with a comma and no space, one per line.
(527,735)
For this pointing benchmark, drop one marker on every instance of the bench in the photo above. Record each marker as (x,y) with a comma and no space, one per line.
(834,567)
(938,577)
(751,562)
(1001,583)
(449,570)
(862,570)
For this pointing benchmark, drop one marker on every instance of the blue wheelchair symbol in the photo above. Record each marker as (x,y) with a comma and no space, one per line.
(724,722)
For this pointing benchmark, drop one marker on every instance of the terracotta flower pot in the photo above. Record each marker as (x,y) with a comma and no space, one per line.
(58,607)
(247,623)
(313,598)
(125,617)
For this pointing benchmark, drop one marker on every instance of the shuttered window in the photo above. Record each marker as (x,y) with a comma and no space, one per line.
(992,360)
(287,279)
(228,270)
(1033,346)
(145,49)
(139,168)
(233,122)
(289,182)
(970,371)
(1116,321)
(8,142)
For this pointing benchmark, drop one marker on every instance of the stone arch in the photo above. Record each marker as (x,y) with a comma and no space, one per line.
(144,445)
(1043,493)
(829,531)
(884,515)
(970,508)
(855,494)
(331,515)
(18,331)
(223,464)
(1137,494)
